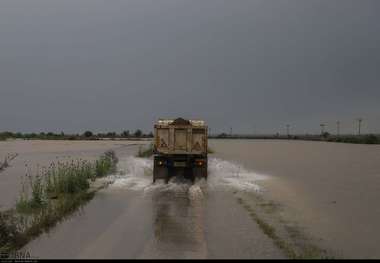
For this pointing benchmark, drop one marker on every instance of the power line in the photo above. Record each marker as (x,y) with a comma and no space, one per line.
(322,128)
(359,125)
(338,128)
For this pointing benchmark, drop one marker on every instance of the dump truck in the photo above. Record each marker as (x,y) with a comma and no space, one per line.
(180,148)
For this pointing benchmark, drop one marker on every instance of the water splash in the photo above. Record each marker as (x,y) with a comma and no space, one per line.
(136,174)
(226,174)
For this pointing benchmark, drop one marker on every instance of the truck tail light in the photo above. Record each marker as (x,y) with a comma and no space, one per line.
(160,163)
(199,163)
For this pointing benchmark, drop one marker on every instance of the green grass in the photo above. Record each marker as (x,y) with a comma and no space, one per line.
(106,164)
(50,196)
(62,178)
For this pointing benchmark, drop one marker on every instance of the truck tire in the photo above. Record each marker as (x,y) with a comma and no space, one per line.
(200,172)
(160,171)
(205,172)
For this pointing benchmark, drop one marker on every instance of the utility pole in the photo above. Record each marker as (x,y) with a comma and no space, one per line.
(231,131)
(322,128)
(338,128)
(287,130)
(359,125)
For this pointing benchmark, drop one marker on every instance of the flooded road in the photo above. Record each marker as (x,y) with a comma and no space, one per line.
(134,218)
(329,191)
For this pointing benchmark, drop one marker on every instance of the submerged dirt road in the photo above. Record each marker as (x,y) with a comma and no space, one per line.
(133,218)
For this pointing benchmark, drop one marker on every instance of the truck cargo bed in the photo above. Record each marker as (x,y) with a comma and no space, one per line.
(180,147)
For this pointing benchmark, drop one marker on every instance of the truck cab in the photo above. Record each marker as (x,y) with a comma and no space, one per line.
(180,148)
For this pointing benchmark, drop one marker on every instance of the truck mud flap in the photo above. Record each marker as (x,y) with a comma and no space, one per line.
(200,172)
(160,172)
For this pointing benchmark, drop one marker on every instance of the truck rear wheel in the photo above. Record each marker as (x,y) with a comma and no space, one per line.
(200,171)
(160,173)
(160,170)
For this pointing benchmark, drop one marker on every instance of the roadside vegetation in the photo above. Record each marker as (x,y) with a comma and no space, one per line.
(49,196)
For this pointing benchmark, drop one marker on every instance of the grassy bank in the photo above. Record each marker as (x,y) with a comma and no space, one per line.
(49,196)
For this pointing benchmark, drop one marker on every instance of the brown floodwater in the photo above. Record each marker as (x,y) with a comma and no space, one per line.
(134,218)
(331,190)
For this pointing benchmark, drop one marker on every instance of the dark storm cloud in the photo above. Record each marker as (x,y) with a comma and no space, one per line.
(113,65)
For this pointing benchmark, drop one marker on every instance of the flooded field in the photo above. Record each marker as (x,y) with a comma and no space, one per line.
(259,196)
(332,190)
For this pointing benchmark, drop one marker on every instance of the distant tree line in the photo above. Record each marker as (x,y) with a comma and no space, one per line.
(87,135)
(360,139)
(357,139)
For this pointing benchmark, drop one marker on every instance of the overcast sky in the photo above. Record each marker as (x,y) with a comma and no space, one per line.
(76,65)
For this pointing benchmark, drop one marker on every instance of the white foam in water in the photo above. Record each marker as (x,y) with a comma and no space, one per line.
(136,174)
(195,192)
(227,174)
